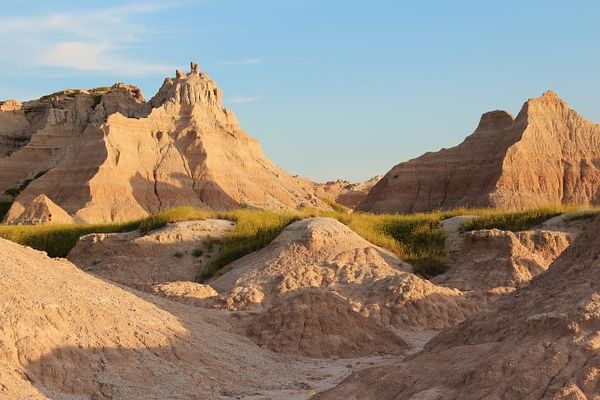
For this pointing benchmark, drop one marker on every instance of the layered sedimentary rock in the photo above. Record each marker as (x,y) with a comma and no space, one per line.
(322,253)
(493,258)
(42,210)
(321,324)
(539,342)
(548,154)
(111,156)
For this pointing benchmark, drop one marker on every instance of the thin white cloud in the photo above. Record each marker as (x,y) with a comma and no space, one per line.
(244,99)
(246,62)
(87,40)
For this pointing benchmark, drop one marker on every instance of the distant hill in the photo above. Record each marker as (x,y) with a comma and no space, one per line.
(548,154)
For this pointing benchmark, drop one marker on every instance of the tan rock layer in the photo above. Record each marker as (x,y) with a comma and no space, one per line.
(539,342)
(321,324)
(114,157)
(493,258)
(547,155)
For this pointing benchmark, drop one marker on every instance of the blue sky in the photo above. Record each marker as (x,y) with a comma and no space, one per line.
(332,89)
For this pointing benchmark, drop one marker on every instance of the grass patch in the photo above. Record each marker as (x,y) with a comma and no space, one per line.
(335,206)
(254,229)
(178,214)
(414,238)
(58,240)
(71,93)
(515,220)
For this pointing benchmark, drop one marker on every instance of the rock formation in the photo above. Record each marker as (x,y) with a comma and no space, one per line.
(321,324)
(539,342)
(42,210)
(548,154)
(68,335)
(176,252)
(493,258)
(323,253)
(107,155)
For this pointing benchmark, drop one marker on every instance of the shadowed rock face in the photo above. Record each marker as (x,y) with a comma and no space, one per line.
(547,155)
(112,156)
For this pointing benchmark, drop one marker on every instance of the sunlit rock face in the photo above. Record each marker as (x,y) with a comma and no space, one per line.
(548,154)
(108,155)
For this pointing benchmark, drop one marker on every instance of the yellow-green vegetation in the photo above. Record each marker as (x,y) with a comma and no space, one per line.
(520,220)
(253,230)
(337,207)
(177,214)
(99,91)
(415,238)
(57,240)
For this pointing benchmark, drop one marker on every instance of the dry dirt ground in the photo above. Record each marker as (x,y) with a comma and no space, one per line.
(66,334)
(539,342)
(317,306)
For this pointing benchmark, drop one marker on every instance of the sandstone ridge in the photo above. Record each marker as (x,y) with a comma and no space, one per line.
(546,155)
(108,155)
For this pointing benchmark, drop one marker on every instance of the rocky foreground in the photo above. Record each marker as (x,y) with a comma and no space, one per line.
(540,342)
(548,154)
(318,311)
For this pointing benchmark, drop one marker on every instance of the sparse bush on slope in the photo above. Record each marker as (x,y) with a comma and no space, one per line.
(415,238)
(254,229)
(57,240)
(517,220)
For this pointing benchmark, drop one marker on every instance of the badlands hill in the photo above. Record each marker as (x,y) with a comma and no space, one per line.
(548,154)
(108,155)
(539,342)
(68,335)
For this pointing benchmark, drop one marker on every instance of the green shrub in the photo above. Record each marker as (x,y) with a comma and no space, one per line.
(198,252)
(14,192)
(4,207)
(254,229)
(58,240)
(514,220)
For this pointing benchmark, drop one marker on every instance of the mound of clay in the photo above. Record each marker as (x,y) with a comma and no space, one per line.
(539,342)
(68,335)
(324,253)
(176,252)
(494,258)
(546,155)
(42,210)
(321,324)
(111,156)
